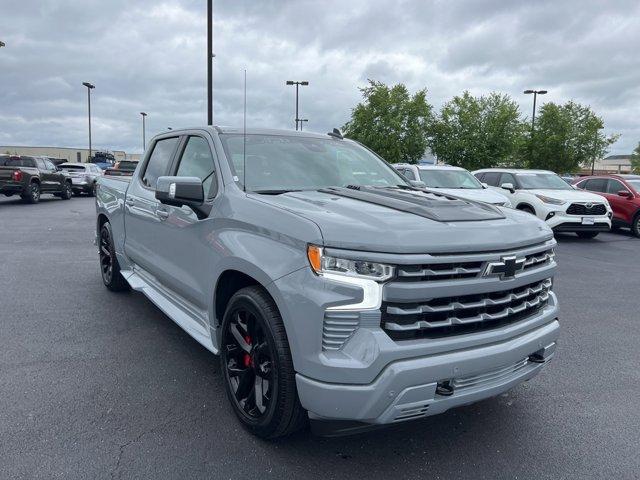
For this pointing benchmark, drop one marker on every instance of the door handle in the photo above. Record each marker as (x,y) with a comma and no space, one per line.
(130,201)
(162,214)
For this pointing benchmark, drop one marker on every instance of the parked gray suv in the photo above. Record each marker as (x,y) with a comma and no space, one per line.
(331,288)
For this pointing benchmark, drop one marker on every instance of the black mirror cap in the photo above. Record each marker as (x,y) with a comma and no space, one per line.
(417,183)
(624,193)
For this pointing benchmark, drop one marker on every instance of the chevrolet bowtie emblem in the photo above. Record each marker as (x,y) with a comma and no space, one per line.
(507,267)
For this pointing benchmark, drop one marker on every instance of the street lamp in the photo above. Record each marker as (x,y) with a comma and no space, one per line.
(303,120)
(297,84)
(89,88)
(535,96)
(210,57)
(144,134)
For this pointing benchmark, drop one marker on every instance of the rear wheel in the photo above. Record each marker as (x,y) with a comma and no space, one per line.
(635,226)
(587,234)
(67,191)
(109,267)
(32,195)
(256,362)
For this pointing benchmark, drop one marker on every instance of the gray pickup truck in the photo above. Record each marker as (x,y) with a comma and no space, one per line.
(332,288)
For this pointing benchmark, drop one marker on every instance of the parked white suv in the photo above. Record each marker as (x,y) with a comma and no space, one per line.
(546,195)
(452,181)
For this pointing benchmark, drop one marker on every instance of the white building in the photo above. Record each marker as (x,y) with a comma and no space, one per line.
(66,153)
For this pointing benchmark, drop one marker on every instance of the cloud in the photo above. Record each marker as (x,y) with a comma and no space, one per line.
(151,56)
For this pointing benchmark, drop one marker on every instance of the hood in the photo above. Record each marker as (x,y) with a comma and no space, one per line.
(476,194)
(570,195)
(375,225)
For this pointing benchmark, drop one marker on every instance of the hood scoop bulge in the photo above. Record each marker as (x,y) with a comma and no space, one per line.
(423,203)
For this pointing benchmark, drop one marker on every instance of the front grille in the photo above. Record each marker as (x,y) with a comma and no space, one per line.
(459,270)
(464,314)
(485,378)
(584,209)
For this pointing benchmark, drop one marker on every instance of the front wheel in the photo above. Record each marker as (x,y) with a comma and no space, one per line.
(256,362)
(587,234)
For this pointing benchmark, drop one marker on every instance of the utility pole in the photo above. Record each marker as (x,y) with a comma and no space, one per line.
(210,57)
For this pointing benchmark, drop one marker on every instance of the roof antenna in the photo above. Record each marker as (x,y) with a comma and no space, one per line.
(244,136)
(336,133)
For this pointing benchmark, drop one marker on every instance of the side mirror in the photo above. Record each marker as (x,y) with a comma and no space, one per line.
(624,193)
(508,186)
(417,183)
(183,191)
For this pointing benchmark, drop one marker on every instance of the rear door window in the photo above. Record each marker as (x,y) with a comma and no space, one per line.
(596,185)
(491,178)
(159,161)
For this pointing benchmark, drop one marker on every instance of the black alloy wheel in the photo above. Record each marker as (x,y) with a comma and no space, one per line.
(33,193)
(249,362)
(109,267)
(257,368)
(67,191)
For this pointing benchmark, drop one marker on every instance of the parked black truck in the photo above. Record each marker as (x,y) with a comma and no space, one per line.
(30,177)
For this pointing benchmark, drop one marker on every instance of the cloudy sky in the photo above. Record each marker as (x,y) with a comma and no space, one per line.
(150,55)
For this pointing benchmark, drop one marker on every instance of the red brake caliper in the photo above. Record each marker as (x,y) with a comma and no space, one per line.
(247,358)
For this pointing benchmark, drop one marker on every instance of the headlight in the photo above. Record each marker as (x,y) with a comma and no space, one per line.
(325,264)
(553,201)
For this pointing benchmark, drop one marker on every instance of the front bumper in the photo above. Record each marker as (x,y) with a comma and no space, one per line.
(374,380)
(560,221)
(406,390)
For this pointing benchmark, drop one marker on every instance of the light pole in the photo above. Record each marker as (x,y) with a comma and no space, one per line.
(303,120)
(210,57)
(144,134)
(535,96)
(89,88)
(297,84)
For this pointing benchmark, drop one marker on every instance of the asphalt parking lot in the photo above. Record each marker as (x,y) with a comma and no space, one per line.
(102,385)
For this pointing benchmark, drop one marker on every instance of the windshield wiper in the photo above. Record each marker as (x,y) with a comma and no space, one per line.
(273,192)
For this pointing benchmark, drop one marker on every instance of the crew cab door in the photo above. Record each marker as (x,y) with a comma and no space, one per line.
(142,220)
(187,250)
(48,180)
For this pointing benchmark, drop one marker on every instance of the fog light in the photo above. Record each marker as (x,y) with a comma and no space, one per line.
(551,215)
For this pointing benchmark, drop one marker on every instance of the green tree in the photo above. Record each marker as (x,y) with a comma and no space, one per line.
(566,138)
(635,159)
(391,122)
(478,132)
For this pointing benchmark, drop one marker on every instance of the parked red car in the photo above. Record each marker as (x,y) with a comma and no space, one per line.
(623,193)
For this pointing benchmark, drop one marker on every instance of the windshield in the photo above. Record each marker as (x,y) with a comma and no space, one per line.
(72,167)
(546,181)
(449,179)
(635,184)
(275,163)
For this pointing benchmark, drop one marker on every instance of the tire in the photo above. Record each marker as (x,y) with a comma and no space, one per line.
(33,193)
(255,351)
(635,226)
(587,234)
(67,191)
(528,209)
(109,267)
(92,192)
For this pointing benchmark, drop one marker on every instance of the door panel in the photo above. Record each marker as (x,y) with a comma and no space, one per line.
(142,222)
(623,207)
(187,255)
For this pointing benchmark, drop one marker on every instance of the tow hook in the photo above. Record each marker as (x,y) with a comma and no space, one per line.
(444,388)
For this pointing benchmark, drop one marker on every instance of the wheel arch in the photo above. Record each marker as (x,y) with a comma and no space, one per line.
(525,205)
